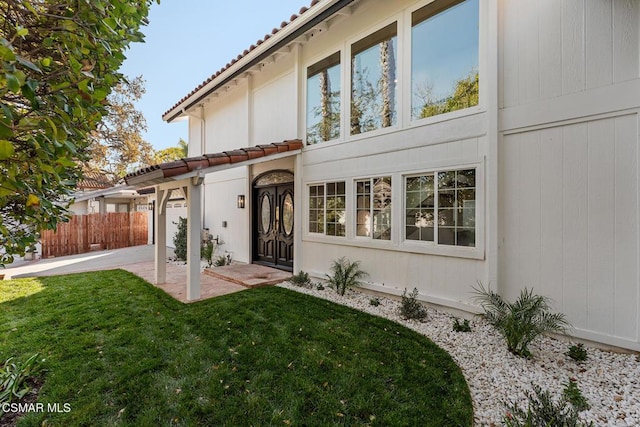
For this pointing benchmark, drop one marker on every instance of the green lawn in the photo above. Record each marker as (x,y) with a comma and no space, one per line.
(122,352)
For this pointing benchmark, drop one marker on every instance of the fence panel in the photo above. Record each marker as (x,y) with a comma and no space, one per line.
(105,231)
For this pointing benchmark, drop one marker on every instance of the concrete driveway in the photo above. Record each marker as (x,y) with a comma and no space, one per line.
(92,261)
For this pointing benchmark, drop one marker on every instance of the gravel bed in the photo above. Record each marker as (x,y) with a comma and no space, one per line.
(610,381)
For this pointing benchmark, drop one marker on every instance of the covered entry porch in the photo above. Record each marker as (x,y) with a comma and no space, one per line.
(187,175)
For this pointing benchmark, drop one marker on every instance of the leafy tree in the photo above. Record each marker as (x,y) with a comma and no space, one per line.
(60,61)
(172,153)
(117,146)
(465,95)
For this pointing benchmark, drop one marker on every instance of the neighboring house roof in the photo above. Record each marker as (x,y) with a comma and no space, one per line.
(308,19)
(208,162)
(93,181)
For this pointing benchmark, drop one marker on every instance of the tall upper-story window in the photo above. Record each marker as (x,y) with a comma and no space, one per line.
(373,81)
(323,100)
(444,57)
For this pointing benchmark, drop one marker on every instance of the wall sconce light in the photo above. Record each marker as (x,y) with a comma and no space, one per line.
(151,206)
(241,201)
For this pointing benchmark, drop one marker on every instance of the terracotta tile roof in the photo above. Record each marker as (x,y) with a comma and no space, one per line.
(93,181)
(266,37)
(190,164)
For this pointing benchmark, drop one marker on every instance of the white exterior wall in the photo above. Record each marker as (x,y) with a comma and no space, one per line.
(554,141)
(569,187)
(443,275)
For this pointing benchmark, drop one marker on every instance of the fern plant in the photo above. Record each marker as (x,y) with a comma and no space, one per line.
(345,275)
(522,321)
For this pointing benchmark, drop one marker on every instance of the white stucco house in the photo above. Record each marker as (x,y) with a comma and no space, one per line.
(439,142)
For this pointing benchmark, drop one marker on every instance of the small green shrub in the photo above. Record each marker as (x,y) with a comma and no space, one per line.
(14,378)
(375,301)
(345,275)
(572,394)
(461,327)
(301,279)
(542,410)
(577,352)
(522,321)
(223,260)
(180,240)
(206,251)
(320,287)
(410,307)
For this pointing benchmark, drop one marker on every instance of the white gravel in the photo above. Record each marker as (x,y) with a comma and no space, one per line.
(610,381)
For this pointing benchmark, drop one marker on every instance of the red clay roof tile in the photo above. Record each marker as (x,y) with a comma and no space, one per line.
(190,164)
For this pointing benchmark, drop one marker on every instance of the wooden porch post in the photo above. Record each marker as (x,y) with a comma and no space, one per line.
(160,224)
(194,223)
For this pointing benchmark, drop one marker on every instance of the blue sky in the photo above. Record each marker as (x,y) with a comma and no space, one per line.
(186,42)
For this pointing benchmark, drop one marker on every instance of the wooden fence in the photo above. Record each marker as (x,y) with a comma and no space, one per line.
(84,233)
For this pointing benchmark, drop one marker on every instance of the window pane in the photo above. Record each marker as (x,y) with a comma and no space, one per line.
(446,236)
(466,178)
(446,180)
(446,198)
(466,237)
(373,81)
(323,100)
(444,58)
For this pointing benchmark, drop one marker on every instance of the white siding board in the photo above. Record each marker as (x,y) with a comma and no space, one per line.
(528,52)
(575,220)
(601,233)
(626,226)
(550,51)
(626,46)
(511,62)
(529,211)
(573,49)
(551,216)
(599,44)
(510,258)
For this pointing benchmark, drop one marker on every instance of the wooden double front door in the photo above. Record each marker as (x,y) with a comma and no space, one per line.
(273,225)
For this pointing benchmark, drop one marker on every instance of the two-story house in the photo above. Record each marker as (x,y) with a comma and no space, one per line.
(439,142)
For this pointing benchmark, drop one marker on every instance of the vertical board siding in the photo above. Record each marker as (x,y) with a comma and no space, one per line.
(574,224)
(599,44)
(573,49)
(626,225)
(601,228)
(569,215)
(550,54)
(559,47)
(626,46)
(551,215)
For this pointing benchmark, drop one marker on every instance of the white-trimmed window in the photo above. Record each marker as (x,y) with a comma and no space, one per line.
(440,207)
(373,208)
(444,57)
(323,100)
(327,209)
(373,81)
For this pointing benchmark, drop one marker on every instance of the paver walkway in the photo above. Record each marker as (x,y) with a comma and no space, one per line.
(139,260)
